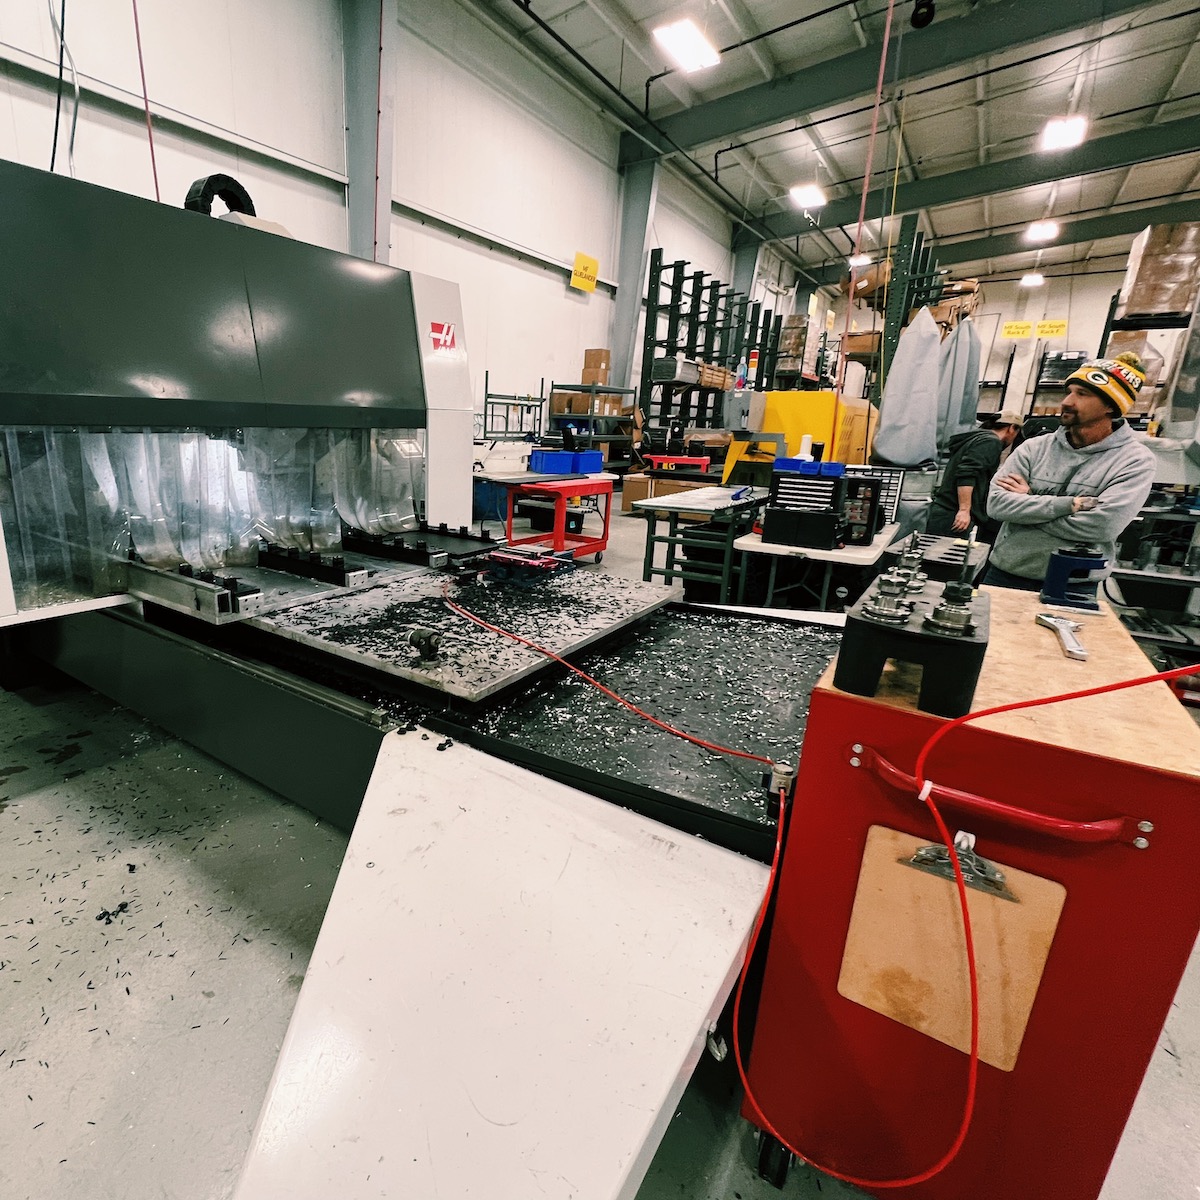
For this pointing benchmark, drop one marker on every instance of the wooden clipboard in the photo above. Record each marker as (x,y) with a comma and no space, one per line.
(905,955)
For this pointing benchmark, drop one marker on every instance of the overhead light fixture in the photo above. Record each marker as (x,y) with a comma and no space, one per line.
(807,195)
(859,260)
(1042,231)
(1033,279)
(1061,133)
(686,46)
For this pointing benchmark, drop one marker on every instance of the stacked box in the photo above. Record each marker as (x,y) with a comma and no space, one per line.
(792,338)
(596,366)
(570,402)
(1163,271)
(862,343)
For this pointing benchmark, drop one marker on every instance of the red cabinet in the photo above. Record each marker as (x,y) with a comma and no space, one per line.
(858,1054)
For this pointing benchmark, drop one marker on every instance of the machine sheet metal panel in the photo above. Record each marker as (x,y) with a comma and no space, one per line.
(369,627)
(137,313)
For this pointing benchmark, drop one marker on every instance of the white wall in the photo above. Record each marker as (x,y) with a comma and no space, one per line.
(267,75)
(489,141)
(1082,301)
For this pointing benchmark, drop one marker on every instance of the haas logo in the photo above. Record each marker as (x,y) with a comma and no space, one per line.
(442,334)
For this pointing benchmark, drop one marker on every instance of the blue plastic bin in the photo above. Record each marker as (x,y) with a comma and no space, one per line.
(832,468)
(588,462)
(553,462)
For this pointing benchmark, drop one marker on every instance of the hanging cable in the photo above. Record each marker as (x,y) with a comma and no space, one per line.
(137,33)
(60,26)
(59,23)
(862,211)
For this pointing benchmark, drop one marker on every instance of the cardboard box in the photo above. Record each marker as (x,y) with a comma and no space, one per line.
(862,343)
(645,487)
(634,487)
(570,402)
(597,360)
(1163,271)
(595,375)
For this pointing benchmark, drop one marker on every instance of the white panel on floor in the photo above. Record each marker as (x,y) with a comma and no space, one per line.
(510,990)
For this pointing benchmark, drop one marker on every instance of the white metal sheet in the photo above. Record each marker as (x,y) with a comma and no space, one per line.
(508,995)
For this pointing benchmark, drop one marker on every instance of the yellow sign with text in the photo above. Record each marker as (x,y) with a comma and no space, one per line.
(1051,329)
(1016,329)
(585,273)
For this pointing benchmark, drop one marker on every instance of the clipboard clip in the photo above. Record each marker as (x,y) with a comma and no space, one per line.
(978,872)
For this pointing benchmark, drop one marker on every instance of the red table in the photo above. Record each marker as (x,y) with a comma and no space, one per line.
(668,462)
(560,491)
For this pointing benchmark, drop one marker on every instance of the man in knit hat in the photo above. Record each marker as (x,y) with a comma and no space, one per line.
(1084,483)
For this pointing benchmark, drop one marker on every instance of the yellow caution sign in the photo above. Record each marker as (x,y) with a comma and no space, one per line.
(585,273)
(1051,329)
(1016,329)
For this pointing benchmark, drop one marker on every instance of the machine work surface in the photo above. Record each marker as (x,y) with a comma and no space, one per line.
(369,627)
(679,668)
(510,991)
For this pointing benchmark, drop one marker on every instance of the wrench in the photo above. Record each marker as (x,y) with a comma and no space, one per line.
(1072,647)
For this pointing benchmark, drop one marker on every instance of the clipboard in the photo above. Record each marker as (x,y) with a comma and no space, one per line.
(905,955)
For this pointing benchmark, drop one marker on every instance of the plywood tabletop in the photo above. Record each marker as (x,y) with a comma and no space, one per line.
(1145,725)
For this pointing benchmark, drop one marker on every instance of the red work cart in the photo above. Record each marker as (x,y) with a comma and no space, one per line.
(1090,810)
(560,492)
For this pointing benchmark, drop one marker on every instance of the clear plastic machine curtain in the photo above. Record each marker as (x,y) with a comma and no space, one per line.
(379,478)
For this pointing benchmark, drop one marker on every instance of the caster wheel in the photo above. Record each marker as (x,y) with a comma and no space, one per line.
(600,556)
(774,1161)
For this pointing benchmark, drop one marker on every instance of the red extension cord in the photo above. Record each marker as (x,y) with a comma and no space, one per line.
(925,788)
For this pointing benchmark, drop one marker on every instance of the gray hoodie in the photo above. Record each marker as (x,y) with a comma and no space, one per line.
(1118,471)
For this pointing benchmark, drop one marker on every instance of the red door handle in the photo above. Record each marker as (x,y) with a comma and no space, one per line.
(1108,829)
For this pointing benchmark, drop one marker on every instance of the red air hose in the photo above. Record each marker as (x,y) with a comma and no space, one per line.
(633,708)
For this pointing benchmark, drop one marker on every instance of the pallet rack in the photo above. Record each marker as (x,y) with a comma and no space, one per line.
(693,315)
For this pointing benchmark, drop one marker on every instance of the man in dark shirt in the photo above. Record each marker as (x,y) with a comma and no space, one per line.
(960,500)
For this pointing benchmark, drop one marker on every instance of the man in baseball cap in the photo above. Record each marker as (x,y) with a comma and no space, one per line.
(960,499)
(1082,485)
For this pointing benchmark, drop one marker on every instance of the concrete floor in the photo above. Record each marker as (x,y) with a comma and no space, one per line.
(136,1042)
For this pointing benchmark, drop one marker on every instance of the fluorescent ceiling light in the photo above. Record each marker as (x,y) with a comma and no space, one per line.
(1061,133)
(1042,231)
(1033,279)
(686,46)
(807,195)
(859,260)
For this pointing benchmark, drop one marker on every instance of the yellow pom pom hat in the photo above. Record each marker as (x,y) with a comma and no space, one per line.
(1117,380)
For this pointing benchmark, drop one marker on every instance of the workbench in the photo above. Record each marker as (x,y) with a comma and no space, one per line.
(1091,809)
(731,518)
(510,990)
(853,556)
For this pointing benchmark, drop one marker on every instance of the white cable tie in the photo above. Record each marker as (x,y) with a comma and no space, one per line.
(926,789)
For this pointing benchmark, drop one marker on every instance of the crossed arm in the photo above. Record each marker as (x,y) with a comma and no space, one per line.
(1078,518)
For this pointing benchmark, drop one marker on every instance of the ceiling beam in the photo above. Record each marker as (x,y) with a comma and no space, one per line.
(975,183)
(1089,229)
(1073,233)
(942,46)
